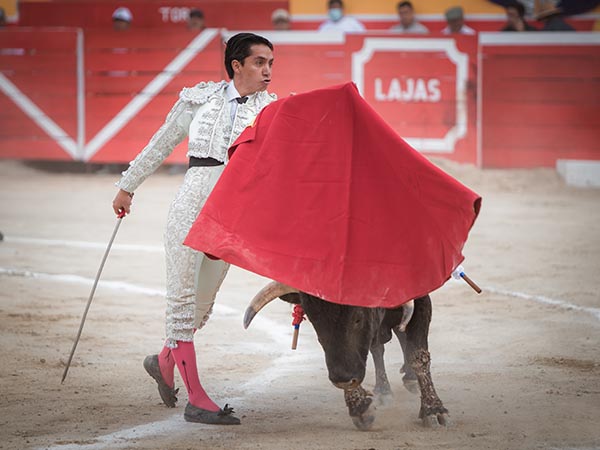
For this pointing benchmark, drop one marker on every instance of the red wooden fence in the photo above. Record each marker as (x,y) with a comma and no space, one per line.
(497,100)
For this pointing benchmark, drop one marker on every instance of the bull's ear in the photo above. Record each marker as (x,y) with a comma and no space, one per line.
(293,297)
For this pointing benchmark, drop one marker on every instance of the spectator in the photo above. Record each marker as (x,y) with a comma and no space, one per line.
(122,18)
(338,21)
(2,17)
(551,16)
(408,23)
(455,20)
(195,21)
(280,19)
(515,17)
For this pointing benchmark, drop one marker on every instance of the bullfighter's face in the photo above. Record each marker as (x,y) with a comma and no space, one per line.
(254,73)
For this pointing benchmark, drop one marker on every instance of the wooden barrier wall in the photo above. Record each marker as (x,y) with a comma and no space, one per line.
(540,98)
(99,95)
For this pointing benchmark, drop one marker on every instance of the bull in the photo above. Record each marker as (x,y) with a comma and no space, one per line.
(348,333)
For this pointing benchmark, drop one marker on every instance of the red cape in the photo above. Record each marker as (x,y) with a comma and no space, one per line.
(324,196)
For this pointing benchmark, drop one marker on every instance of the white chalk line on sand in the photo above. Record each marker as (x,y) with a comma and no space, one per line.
(283,364)
(595,312)
(280,366)
(83,244)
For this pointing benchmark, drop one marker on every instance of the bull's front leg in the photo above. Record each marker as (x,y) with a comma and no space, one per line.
(382,389)
(360,406)
(432,412)
(409,379)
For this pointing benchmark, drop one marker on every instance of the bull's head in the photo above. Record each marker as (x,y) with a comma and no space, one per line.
(345,333)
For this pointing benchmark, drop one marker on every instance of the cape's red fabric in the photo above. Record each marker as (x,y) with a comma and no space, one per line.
(322,195)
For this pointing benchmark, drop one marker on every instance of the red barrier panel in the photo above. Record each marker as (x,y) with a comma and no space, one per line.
(99,97)
(38,79)
(169,15)
(540,98)
(133,82)
(424,87)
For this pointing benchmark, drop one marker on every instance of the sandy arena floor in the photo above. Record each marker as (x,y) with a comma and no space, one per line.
(517,366)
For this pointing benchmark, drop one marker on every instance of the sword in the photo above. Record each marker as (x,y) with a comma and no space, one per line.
(89,302)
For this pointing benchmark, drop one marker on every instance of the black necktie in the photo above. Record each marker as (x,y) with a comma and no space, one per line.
(241,100)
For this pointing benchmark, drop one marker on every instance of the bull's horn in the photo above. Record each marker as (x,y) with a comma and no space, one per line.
(266,295)
(407,312)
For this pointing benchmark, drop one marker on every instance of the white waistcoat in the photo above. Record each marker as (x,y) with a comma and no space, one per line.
(202,113)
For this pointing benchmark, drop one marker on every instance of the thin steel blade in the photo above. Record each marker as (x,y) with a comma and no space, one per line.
(89,302)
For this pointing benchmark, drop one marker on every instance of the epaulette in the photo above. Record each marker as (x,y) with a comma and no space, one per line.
(200,93)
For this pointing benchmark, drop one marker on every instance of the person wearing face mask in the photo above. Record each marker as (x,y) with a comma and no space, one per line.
(515,17)
(211,115)
(337,21)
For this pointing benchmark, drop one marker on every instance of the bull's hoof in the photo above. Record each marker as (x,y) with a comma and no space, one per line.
(411,386)
(437,421)
(384,399)
(364,422)
(383,394)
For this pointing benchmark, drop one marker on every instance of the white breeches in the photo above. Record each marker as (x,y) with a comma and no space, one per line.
(193,280)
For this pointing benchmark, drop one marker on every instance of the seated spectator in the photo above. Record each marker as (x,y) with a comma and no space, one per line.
(122,18)
(551,16)
(195,20)
(338,21)
(280,19)
(2,17)
(408,23)
(456,22)
(515,17)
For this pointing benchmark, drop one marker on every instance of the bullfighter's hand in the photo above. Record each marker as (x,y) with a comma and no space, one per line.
(122,202)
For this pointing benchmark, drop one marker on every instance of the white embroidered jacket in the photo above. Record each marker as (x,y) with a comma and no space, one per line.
(203,114)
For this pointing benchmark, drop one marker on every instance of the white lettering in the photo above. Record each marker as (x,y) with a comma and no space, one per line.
(379,95)
(420,92)
(408,90)
(433,86)
(174,14)
(164,12)
(395,91)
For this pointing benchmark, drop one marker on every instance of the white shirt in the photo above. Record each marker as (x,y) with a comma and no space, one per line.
(415,27)
(347,24)
(231,93)
(464,30)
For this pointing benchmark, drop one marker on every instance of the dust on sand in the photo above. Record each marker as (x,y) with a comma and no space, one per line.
(517,366)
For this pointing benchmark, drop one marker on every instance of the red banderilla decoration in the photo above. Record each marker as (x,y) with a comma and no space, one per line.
(298,316)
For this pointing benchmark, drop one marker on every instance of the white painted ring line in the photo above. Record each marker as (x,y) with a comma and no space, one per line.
(280,365)
(128,287)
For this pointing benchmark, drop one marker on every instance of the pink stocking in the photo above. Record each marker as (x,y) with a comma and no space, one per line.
(185,357)
(166,362)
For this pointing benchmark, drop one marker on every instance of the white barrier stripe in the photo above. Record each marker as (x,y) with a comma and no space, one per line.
(38,116)
(83,244)
(541,38)
(304,37)
(148,93)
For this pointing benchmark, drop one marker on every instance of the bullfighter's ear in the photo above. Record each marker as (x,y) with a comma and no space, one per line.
(293,298)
